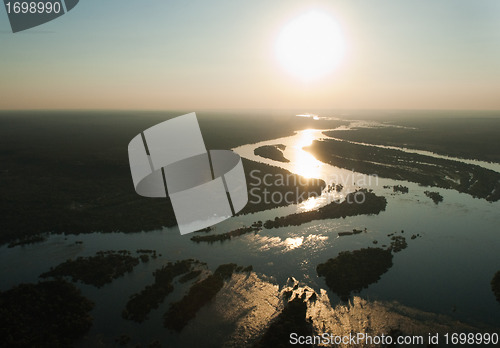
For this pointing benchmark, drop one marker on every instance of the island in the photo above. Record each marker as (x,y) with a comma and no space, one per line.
(140,304)
(399,165)
(360,202)
(274,152)
(256,227)
(400,188)
(47,314)
(352,271)
(435,196)
(97,270)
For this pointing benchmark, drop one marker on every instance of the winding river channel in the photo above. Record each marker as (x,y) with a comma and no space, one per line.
(446,271)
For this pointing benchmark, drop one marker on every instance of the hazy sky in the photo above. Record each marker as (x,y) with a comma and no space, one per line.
(158,54)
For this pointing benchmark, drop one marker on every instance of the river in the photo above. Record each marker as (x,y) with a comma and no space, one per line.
(446,271)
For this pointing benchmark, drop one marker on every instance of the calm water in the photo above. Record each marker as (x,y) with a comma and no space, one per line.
(448,270)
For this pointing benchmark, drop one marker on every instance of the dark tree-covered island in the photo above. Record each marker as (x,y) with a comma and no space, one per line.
(274,152)
(356,203)
(435,196)
(397,164)
(140,304)
(100,269)
(47,314)
(352,271)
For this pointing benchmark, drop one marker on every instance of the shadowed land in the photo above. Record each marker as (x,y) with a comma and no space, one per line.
(47,314)
(68,172)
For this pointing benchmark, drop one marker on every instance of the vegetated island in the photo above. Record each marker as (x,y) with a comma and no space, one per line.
(396,164)
(140,304)
(355,270)
(360,202)
(435,196)
(352,271)
(47,314)
(334,187)
(400,188)
(495,285)
(369,203)
(97,270)
(273,152)
(256,227)
(350,233)
(200,293)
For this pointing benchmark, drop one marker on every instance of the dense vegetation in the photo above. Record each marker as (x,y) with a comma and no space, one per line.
(140,304)
(356,203)
(435,196)
(395,164)
(354,270)
(400,188)
(471,134)
(68,172)
(398,243)
(46,314)
(274,152)
(96,270)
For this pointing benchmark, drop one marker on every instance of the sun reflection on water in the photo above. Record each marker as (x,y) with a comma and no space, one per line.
(310,204)
(306,138)
(304,163)
(292,243)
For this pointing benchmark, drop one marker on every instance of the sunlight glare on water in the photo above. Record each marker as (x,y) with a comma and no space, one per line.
(293,243)
(305,164)
(311,204)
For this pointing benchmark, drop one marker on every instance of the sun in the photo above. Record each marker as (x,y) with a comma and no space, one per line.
(310,46)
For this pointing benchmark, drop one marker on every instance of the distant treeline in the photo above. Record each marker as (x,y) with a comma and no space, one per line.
(68,172)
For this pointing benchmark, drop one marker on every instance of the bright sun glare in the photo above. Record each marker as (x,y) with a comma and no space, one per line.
(306,164)
(310,46)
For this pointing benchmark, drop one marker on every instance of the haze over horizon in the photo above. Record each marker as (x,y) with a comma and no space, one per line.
(396,54)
